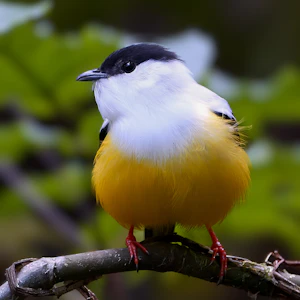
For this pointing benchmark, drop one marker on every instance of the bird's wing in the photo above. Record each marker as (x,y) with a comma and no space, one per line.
(216,104)
(225,116)
(221,108)
(233,123)
(103,131)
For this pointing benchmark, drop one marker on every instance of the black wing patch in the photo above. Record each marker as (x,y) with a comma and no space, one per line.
(103,131)
(224,116)
(232,122)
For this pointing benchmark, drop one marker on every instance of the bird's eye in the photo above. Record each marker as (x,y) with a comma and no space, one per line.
(128,67)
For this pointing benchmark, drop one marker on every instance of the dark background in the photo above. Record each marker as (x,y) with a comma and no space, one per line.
(49,127)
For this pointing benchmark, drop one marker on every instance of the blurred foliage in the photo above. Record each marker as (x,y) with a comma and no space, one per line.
(49,130)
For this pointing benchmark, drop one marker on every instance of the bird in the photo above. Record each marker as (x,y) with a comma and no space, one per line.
(171,151)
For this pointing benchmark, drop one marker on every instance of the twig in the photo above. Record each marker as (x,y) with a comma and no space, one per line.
(20,184)
(255,278)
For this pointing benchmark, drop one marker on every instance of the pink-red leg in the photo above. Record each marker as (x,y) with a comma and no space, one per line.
(132,246)
(217,248)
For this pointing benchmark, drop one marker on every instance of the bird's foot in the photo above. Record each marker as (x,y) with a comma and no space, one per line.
(132,246)
(218,249)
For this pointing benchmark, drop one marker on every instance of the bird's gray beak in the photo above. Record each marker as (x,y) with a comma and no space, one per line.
(91,75)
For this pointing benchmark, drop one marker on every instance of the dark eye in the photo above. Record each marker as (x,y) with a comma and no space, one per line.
(128,67)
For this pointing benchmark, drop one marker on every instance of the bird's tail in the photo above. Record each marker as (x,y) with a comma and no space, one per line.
(159,231)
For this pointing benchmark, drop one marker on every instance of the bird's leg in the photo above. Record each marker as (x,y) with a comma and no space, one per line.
(217,248)
(132,246)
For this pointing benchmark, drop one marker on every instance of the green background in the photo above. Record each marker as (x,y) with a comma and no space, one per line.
(50,124)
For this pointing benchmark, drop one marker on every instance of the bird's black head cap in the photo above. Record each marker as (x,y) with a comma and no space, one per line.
(135,54)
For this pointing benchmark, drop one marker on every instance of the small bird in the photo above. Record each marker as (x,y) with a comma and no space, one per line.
(170,149)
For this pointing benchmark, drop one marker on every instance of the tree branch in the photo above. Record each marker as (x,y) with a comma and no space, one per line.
(43,207)
(255,278)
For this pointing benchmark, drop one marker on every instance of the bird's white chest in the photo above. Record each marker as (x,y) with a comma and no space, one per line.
(157,138)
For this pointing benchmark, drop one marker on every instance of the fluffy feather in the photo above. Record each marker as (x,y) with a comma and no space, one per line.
(197,186)
(168,158)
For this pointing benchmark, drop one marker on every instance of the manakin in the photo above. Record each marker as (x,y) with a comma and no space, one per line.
(170,152)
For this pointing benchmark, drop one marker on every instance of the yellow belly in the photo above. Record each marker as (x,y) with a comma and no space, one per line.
(197,187)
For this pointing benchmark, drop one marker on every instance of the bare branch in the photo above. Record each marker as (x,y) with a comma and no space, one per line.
(40,205)
(255,278)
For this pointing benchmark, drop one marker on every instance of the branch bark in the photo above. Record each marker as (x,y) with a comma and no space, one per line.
(244,274)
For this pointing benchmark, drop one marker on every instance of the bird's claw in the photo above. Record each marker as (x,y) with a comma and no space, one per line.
(132,246)
(218,249)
